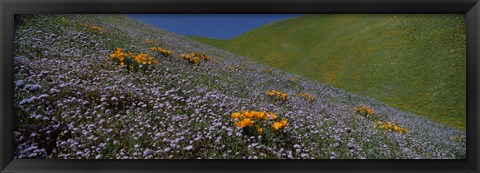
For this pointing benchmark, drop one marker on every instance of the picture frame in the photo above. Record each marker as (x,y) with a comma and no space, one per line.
(9,8)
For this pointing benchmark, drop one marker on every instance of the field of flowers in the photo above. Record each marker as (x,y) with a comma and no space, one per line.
(111,87)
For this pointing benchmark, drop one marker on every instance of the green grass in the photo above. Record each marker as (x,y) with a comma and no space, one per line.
(412,62)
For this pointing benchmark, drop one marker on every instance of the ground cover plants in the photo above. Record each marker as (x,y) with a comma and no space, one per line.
(133,91)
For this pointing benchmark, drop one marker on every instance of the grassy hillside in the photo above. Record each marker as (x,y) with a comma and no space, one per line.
(412,62)
(75,99)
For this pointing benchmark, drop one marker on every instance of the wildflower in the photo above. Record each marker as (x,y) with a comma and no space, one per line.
(188,148)
(259,130)
(363,110)
(196,61)
(248,122)
(245,122)
(247,119)
(284,122)
(203,56)
(277,95)
(161,51)
(369,111)
(248,114)
(391,127)
(194,58)
(276,125)
(147,152)
(272,116)
(98,29)
(270,93)
(259,115)
(307,96)
(236,115)
(240,124)
(130,59)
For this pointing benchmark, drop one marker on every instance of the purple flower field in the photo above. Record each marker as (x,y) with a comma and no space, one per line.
(73,102)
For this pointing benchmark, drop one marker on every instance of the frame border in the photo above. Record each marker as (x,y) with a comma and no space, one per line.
(8,8)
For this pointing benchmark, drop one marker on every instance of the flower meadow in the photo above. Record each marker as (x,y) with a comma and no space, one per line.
(111,87)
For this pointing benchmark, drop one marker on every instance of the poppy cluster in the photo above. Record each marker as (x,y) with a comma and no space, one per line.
(95,28)
(258,121)
(307,96)
(132,61)
(194,58)
(391,127)
(190,59)
(200,55)
(161,51)
(277,95)
(363,110)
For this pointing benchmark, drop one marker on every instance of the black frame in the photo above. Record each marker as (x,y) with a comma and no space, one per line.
(8,8)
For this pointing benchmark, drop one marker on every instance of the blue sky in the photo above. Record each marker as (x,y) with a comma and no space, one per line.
(220,26)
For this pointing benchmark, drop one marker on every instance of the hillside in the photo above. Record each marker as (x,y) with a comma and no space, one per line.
(77,97)
(412,62)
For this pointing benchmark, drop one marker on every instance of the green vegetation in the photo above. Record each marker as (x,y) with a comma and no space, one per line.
(413,62)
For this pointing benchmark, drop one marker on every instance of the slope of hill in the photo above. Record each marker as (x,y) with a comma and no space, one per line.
(73,99)
(412,62)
